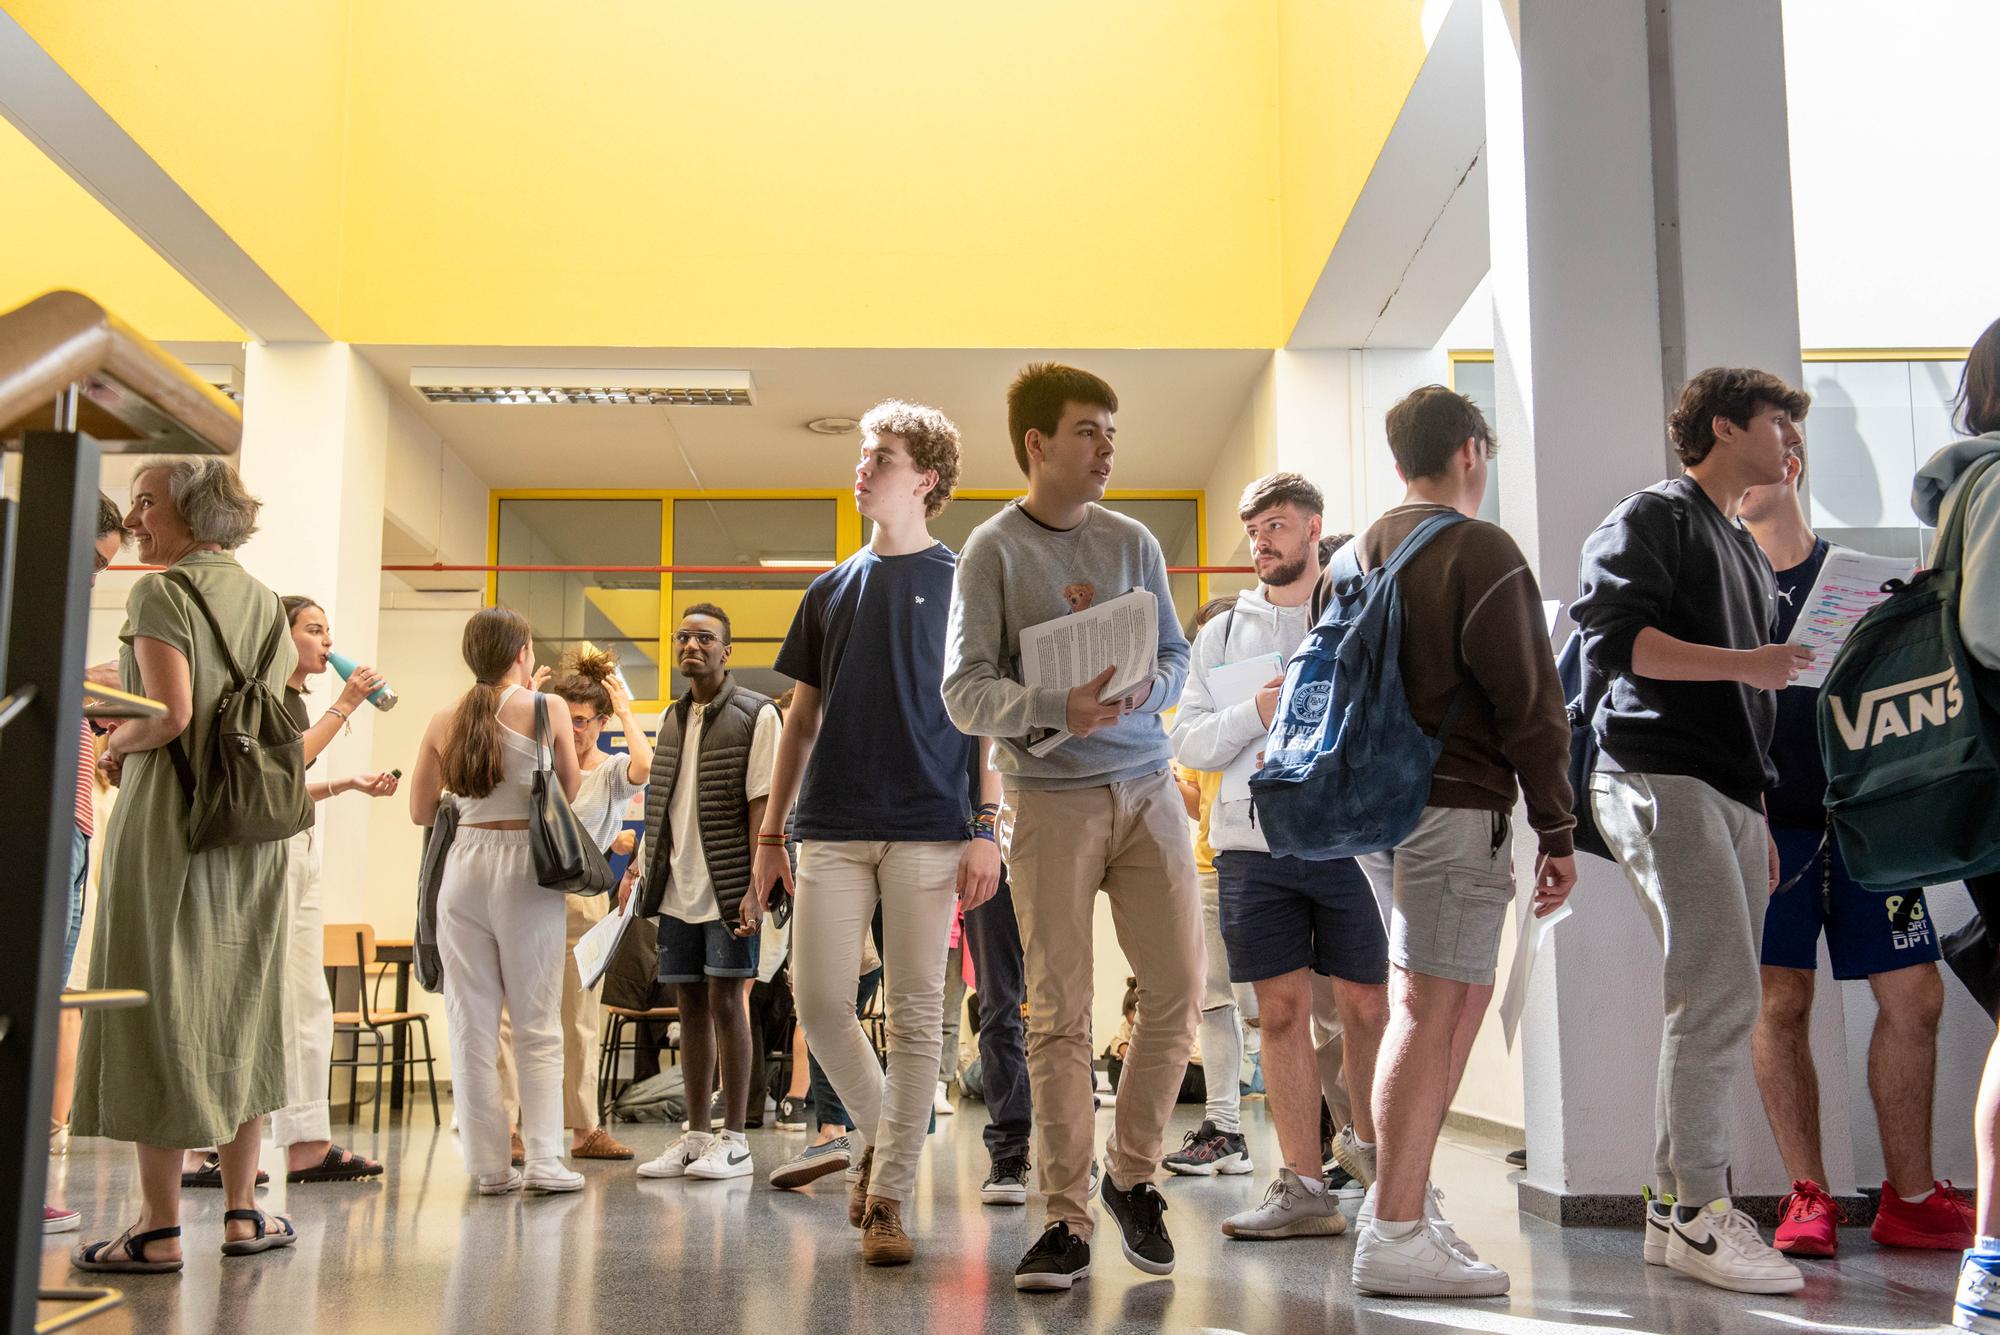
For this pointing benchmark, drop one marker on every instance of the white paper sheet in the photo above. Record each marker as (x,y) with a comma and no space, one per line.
(1528,938)
(1070,650)
(1231,684)
(595,947)
(1849,584)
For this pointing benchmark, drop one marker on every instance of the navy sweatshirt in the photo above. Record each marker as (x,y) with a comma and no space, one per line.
(1667,558)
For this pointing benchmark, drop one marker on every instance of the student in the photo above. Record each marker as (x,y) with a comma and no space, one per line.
(1100,810)
(1285,920)
(1676,613)
(499,931)
(1217,1145)
(1940,491)
(1886,939)
(712,763)
(1478,673)
(879,774)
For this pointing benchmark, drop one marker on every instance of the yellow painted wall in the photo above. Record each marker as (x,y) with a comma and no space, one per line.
(242,102)
(1344,68)
(897,173)
(53,234)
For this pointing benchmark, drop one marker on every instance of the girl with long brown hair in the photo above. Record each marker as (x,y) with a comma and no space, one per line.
(499,932)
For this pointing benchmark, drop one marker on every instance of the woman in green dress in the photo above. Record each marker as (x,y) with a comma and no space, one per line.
(201,933)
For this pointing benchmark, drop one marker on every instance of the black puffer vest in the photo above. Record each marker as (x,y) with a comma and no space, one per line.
(722,811)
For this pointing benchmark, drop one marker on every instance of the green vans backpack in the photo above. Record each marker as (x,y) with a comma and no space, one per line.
(1909,728)
(251,785)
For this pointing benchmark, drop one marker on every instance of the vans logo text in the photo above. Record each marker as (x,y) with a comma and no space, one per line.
(1899,710)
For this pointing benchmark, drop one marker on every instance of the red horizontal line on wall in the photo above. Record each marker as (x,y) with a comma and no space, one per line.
(438,569)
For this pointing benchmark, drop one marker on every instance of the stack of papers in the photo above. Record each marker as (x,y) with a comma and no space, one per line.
(1848,587)
(1069,651)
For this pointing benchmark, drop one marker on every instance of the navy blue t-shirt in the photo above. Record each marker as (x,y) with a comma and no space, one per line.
(888,764)
(1799,799)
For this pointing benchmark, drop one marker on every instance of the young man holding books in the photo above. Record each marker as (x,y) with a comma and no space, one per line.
(1100,810)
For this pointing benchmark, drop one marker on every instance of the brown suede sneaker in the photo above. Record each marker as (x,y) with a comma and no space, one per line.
(599,1145)
(857,1190)
(883,1241)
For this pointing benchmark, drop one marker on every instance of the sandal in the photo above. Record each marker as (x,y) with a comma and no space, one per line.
(600,1145)
(339,1165)
(210,1174)
(265,1240)
(97,1257)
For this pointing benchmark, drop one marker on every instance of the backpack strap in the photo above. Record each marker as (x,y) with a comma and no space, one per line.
(1418,539)
(1950,550)
(177,749)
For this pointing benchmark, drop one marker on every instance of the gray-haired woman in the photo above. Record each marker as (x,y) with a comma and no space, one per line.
(201,933)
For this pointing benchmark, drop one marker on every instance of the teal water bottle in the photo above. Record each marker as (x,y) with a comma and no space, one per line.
(383,698)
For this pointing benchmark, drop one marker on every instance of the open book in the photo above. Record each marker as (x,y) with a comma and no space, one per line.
(1070,650)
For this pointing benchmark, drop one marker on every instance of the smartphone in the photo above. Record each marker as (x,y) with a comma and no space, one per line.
(780,903)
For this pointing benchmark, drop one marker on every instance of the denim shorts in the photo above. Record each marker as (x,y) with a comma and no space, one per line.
(79,880)
(691,951)
(1280,915)
(1867,932)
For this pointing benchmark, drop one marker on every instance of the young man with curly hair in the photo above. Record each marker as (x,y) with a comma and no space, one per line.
(1677,612)
(879,775)
(1100,811)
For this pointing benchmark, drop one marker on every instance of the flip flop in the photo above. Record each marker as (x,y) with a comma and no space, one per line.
(97,1257)
(339,1165)
(265,1240)
(210,1174)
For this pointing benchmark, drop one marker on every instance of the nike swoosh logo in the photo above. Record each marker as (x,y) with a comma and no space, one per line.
(735,1159)
(1706,1248)
(1654,1223)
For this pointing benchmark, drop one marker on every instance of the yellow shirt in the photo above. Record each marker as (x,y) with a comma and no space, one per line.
(1210,783)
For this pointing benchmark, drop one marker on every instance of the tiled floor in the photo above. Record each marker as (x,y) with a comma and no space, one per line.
(421,1253)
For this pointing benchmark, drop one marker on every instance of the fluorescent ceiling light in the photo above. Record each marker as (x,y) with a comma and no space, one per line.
(791,563)
(533,385)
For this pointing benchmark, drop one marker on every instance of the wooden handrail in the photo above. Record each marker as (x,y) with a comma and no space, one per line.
(135,399)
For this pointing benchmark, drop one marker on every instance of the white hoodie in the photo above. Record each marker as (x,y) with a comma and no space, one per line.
(1207,738)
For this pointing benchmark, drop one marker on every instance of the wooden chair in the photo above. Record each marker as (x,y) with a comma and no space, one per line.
(351,945)
(612,1049)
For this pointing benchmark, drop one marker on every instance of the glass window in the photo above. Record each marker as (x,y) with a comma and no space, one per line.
(616,611)
(1872,424)
(771,535)
(1475,381)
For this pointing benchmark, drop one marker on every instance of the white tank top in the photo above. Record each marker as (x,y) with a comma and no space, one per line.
(519,759)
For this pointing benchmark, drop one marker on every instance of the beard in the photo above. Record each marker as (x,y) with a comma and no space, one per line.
(1286,572)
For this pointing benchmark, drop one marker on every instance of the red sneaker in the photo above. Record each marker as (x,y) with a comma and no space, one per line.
(1808,1218)
(1942,1221)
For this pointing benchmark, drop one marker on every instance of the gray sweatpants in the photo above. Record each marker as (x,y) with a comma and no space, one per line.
(1700,865)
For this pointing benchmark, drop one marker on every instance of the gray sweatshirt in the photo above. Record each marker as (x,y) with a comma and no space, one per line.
(1936,490)
(1015,573)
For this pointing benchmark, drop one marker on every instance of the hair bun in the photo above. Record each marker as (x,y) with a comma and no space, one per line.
(593,665)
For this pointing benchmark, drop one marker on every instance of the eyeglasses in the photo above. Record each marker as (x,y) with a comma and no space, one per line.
(579,724)
(704,638)
(100,562)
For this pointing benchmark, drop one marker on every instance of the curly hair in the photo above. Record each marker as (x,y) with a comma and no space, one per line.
(1734,392)
(581,679)
(930,437)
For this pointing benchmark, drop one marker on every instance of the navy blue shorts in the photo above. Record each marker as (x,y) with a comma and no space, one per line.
(1866,932)
(691,951)
(1279,915)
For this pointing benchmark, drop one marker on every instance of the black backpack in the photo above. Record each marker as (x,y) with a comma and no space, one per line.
(1573,670)
(251,788)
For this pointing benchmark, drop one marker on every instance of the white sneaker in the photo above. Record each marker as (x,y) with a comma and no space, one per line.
(498,1184)
(1291,1209)
(942,1104)
(675,1158)
(1659,1225)
(1359,1162)
(1422,1265)
(728,1156)
(550,1175)
(1721,1246)
(1433,1215)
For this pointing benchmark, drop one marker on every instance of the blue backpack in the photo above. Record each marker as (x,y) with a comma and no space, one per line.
(1347,770)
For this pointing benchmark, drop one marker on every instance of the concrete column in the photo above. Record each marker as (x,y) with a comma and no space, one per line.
(314,452)
(1641,227)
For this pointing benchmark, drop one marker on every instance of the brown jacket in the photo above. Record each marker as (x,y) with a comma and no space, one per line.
(1473,614)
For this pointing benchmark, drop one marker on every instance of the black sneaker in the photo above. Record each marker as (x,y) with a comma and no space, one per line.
(1142,1229)
(1055,1263)
(1007,1184)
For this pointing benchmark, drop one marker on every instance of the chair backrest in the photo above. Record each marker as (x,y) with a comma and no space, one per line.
(349,945)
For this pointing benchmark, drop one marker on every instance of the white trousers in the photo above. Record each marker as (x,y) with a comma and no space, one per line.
(308,1008)
(501,939)
(839,886)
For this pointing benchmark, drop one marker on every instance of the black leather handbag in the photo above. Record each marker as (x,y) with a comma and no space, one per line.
(566,857)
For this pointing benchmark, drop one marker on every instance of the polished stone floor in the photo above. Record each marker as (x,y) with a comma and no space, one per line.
(420,1252)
